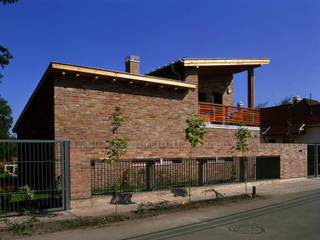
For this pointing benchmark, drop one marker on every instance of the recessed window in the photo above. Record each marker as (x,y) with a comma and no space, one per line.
(217,98)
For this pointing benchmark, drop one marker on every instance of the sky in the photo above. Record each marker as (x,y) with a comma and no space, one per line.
(102,33)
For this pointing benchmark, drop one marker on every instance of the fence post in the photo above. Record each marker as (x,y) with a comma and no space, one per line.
(203,171)
(242,166)
(150,175)
(66,174)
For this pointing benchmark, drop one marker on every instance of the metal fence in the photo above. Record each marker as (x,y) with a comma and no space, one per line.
(156,174)
(33,175)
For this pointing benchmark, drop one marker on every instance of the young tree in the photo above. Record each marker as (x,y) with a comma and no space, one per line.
(242,135)
(116,146)
(195,134)
(5,119)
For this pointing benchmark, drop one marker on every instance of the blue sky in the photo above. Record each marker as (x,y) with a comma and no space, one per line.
(102,33)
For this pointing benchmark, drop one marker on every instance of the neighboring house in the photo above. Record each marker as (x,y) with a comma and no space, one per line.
(296,123)
(74,102)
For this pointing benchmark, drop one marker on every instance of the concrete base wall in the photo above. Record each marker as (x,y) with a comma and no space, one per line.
(197,193)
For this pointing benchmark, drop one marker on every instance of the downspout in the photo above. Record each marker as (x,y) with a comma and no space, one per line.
(176,73)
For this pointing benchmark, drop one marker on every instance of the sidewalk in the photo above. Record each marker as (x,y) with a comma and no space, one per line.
(99,206)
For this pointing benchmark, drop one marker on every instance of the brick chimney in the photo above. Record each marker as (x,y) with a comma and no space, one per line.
(132,64)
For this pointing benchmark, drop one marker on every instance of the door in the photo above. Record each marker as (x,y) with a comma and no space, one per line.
(267,167)
(313,160)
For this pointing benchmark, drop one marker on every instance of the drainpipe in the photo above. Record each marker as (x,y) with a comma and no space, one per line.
(176,73)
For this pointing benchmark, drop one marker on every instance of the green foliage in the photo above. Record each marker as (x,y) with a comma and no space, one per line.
(5,119)
(242,135)
(116,119)
(287,100)
(195,131)
(116,146)
(28,194)
(23,228)
(5,57)
(8,1)
(262,105)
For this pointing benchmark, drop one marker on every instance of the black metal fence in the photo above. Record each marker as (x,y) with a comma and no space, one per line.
(156,174)
(33,175)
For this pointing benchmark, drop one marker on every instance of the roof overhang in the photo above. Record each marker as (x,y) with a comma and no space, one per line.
(100,73)
(197,62)
(212,65)
(224,66)
(95,73)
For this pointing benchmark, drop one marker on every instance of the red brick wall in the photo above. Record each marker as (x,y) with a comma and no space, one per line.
(152,115)
(154,123)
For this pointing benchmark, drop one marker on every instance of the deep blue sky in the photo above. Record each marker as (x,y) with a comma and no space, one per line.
(101,33)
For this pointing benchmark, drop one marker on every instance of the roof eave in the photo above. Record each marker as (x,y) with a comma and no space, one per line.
(100,72)
(224,62)
(121,75)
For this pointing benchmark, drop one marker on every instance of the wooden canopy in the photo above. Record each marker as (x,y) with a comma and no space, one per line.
(228,66)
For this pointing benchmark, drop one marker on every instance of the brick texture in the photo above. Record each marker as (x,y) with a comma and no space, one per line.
(77,109)
(154,123)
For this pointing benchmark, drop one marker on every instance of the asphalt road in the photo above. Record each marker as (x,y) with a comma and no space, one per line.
(298,218)
(293,216)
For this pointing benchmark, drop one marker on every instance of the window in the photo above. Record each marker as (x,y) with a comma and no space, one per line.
(202,97)
(217,98)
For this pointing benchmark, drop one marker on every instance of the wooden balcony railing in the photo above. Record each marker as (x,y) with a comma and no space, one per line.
(221,114)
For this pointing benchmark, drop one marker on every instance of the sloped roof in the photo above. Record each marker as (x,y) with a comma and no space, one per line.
(305,112)
(96,73)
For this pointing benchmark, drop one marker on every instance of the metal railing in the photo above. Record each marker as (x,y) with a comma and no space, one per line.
(33,175)
(222,114)
(157,174)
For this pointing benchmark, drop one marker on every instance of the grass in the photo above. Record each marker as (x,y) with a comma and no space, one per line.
(33,226)
(19,197)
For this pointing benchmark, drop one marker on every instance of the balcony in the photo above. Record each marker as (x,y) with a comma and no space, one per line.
(229,115)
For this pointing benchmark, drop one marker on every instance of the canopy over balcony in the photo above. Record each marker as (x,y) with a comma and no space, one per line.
(228,66)
(212,66)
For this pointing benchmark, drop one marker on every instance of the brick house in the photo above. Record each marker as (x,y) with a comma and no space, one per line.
(298,122)
(73,103)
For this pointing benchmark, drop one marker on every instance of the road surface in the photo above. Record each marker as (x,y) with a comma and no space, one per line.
(291,216)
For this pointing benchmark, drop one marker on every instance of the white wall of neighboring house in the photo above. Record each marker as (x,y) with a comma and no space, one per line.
(311,135)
